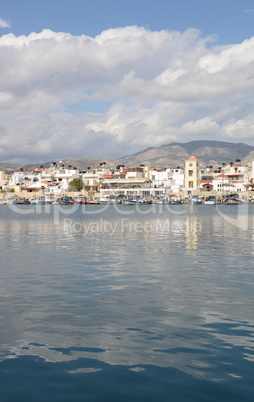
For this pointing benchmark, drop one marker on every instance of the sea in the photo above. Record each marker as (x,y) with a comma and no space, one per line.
(122,303)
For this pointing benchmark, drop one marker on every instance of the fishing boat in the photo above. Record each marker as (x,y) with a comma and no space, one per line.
(92,202)
(195,200)
(22,201)
(233,199)
(65,201)
(42,200)
(107,200)
(133,200)
(211,200)
(175,201)
(79,200)
(10,199)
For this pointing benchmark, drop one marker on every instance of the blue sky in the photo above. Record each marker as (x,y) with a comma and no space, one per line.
(231,20)
(108,78)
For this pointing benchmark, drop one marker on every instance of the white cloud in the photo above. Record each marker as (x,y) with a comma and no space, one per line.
(242,128)
(4,24)
(160,87)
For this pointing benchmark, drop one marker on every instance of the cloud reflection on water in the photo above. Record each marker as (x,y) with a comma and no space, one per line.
(152,292)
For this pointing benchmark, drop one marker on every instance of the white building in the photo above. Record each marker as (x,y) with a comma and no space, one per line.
(21,177)
(4,179)
(56,178)
(222,183)
(39,186)
(59,176)
(92,177)
(177,181)
(160,178)
(170,179)
(16,178)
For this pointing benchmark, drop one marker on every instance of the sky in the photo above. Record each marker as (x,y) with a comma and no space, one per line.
(107,78)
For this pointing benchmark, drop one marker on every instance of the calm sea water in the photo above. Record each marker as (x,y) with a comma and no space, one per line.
(99,303)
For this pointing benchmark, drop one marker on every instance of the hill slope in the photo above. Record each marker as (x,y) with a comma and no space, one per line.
(208,152)
(170,155)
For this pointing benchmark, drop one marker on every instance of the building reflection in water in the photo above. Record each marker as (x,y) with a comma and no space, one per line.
(192,232)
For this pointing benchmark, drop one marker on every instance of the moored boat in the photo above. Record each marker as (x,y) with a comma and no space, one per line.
(22,201)
(211,200)
(65,201)
(92,202)
(10,199)
(42,200)
(79,200)
(175,201)
(108,200)
(133,200)
(195,200)
(233,199)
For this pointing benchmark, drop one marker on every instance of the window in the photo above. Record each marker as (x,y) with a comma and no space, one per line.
(190,172)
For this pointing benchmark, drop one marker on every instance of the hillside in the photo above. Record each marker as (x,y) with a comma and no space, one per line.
(174,154)
(79,163)
(171,155)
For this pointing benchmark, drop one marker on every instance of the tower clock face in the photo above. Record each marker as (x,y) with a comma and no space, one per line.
(190,164)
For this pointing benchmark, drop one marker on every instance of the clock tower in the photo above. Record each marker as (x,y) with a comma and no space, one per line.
(192,176)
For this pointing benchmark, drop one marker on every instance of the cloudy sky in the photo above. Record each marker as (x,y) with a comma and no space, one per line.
(108,78)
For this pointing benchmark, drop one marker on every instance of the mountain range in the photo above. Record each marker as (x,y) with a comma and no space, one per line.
(208,152)
(171,155)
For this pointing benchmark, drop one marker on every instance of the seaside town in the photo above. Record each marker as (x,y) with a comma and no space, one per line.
(61,184)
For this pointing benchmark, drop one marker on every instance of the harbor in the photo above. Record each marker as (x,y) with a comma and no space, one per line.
(133,200)
(195,184)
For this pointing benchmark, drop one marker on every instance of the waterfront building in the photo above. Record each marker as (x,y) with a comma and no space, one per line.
(192,174)
(233,178)
(137,172)
(170,179)
(221,183)
(133,180)
(55,178)
(39,186)
(17,178)
(177,180)
(206,184)
(60,176)
(92,177)
(4,179)
(238,174)
(160,177)
(140,180)
(24,177)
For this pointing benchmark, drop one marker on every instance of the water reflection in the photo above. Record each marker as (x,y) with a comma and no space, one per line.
(165,290)
(192,232)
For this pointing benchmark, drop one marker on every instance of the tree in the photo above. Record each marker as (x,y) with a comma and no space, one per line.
(76,184)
